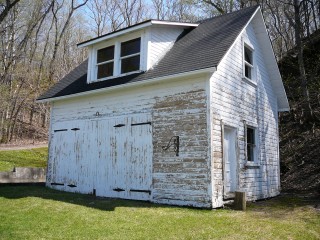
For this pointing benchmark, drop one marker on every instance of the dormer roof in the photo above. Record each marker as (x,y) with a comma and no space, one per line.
(198,49)
(133,28)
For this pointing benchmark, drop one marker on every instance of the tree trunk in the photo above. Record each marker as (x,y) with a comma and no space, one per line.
(307,113)
(44,118)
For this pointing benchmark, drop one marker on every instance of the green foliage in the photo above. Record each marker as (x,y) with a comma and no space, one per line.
(36,157)
(41,213)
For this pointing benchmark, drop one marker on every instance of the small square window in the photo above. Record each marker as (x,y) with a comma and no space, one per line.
(105,62)
(251,144)
(130,64)
(248,62)
(105,70)
(130,55)
(105,54)
(130,47)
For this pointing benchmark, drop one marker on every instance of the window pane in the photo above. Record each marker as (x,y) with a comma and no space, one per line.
(130,47)
(250,143)
(130,64)
(250,153)
(247,71)
(248,55)
(105,54)
(105,70)
(250,135)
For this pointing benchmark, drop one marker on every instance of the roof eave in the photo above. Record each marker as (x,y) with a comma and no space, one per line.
(210,71)
(276,80)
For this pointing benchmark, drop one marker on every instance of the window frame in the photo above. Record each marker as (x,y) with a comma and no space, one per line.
(255,146)
(130,56)
(251,66)
(252,145)
(93,57)
(105,62)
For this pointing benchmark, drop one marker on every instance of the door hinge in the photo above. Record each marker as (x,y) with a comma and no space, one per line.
(119,125)
(143,123)
(139,190)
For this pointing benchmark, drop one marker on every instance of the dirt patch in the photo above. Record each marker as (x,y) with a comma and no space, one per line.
(23,145)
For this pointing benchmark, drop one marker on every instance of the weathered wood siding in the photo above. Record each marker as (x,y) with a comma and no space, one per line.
(234,101)
(161,39)
(182,179)
(90,157)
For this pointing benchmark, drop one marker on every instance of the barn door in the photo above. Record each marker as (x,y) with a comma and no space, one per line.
(125,157)
(59,156)
(65,154)
(139,163)
(230,162)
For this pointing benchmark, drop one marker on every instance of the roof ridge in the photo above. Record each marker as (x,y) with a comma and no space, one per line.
(228,14)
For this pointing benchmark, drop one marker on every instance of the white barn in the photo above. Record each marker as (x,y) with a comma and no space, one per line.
(173,113)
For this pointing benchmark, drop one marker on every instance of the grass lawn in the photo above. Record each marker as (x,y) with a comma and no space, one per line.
(35,157)
(33,212)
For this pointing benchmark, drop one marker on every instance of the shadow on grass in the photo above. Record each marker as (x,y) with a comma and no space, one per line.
(104,204)
(285,203)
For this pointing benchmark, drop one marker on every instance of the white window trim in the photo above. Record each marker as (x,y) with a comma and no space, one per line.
(129,56)
(251,81)
(256,161)
(93,65)
(101,63)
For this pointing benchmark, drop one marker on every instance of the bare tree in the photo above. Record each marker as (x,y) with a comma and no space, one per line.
(181,10)
(59,34)
(132,11)
(99,14)
(306,106)
(5,7)
(32,32)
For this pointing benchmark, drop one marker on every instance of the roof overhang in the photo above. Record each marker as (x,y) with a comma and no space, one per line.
(183,75)
(133,28)
(271,64)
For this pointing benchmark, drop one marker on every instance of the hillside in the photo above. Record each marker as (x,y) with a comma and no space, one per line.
(300,139)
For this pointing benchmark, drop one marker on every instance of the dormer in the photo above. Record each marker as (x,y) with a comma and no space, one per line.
(131,50)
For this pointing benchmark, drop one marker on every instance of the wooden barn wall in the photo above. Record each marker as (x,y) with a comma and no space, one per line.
(234,101)
(185,177)
(175,109)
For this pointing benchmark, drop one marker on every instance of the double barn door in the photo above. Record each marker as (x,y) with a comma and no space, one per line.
(112,157)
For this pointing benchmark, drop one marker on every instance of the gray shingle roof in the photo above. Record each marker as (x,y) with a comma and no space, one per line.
(201,48)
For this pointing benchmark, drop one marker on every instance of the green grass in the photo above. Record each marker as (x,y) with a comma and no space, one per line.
(31,212)
(35,157)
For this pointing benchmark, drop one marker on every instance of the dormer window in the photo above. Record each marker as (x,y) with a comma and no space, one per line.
(248,62)
(115,60)
(130,55)
(131,50)
(105,62)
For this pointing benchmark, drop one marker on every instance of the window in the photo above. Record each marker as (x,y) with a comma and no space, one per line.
(105,61)
(110,61)
(248,62)
(251,144)
(130,55)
